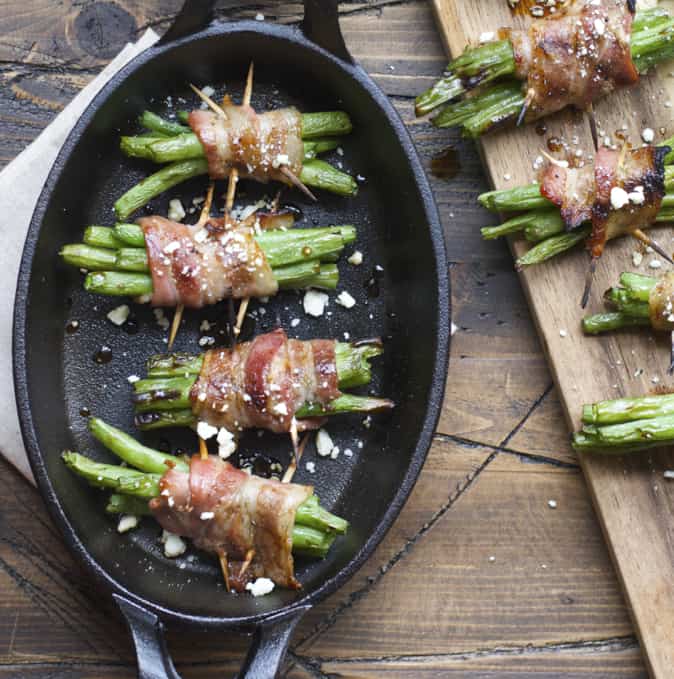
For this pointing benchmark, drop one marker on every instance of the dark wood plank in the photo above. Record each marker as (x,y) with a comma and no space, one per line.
(447,594)
(610,660)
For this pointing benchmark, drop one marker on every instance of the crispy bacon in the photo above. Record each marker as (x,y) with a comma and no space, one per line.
(641,170)
(571,189)
(661,303)
(262,383)
(577,58)
(584,194)
(258,145)
(225,510)
(201,265)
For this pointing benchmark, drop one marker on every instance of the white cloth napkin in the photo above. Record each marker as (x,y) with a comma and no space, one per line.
(20,185)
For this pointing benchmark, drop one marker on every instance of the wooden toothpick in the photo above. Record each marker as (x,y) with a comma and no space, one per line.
(231,190)
(209,101)
(531,93)
(250,554)
(222,557)
(203,218)
(647,240)
(203,449)
(298,450)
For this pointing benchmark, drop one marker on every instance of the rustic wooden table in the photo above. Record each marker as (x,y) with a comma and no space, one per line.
(480,576)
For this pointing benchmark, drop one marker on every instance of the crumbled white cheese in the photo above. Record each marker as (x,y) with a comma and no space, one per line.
(356,258)
(487,36)
(311,467)
(599,26)
(295,322)
(637,196)
(281,159)
(206,431)
(281,409)
(345,300)
(454,328)
(637,258)
(119,314)
(226,443)
(206,516)
(259,16)
(132,379)
(127,522)
(647,135)
(563,333)
(242,213)
(206,340)
(174,545)
(552,504)
(655,264)
(201,235)
(669,474)
(260,587)
(171,247)
(314,302)
(161,319)
(205,326)
(619,198)
(324,444)
(208,90)
(176,211)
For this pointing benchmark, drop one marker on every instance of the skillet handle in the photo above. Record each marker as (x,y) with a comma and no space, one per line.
(154,661)
(194,16)
(321,25)
(263,661)
(269,646)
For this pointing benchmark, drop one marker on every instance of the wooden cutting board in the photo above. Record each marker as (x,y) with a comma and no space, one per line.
(634,502)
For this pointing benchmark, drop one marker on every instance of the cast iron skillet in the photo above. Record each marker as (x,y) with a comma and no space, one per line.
(407,303)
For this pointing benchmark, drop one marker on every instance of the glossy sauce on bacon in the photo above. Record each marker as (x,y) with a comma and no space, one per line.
(577,58)
(262,383)
(571,189)
(585,194)
(639,170)
(224,510)
(201,265)
(258,145)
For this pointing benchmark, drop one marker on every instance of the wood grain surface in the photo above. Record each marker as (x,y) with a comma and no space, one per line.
(635,507)
(431,602)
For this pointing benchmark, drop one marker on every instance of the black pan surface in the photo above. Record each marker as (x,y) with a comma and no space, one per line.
(407,304)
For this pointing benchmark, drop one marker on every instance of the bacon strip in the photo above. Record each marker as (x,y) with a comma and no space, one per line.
(197,266)
(661,303)
(571,189)
(223,509)
(575,59)
(257,145)
(640,170)
(584,194)
(262,383)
